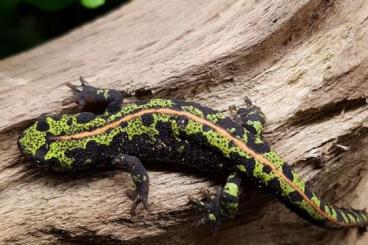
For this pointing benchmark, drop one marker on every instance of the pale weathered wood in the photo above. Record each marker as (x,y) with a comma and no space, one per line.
(303,62)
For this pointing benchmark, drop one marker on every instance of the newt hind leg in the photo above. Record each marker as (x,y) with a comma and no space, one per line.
(210,206)
(223,206)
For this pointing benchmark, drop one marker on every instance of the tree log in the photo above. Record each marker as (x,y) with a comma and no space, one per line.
(305,63)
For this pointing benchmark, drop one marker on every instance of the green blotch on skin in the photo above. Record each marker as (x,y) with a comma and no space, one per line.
(231,130)
(214,117)
(343,214)
(245,137)
(158,103)
(242,168)
(161,117)
(57,150)
(175,128)
(136,127)
(68,124)
(332,213)
(212,217)
(136,179)
(317,201)
(259,173)
(213,138)
(193,110)
(352,219)
(127,109)
(168,119)
(231,206)
(218,141)
(299,182)
(304,205)
(193,127)
(365,217)
(258,140)
(257,125)
(231,189)
(240,152)
(104,92)
(275,159)
(32,139)
(131,108)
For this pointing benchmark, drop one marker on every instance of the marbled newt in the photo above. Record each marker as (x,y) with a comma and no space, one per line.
(182,132)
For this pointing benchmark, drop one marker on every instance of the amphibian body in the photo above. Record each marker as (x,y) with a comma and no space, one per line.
(179,132)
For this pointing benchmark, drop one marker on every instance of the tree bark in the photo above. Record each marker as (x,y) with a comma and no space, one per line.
(303,62)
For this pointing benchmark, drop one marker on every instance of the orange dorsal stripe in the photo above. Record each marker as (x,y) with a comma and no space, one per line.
(223,132)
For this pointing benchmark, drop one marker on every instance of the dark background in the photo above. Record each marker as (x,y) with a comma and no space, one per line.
(27,23)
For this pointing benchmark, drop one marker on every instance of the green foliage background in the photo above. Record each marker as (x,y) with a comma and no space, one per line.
(26,23)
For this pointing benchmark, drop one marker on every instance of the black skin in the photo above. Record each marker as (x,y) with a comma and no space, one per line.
(215,206)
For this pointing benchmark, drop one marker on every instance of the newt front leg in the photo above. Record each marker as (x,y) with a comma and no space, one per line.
(85,93)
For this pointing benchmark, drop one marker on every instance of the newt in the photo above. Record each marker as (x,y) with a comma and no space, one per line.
(177,132)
